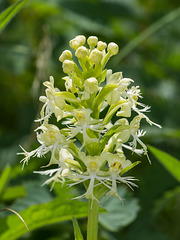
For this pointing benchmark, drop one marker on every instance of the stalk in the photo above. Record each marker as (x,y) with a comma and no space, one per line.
(92,228)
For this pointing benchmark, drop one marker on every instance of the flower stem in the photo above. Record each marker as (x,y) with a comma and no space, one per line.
(92,228)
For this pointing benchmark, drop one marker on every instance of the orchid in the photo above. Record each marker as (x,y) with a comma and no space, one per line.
(89,148)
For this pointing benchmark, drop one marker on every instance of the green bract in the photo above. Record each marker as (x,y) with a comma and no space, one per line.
(90,90)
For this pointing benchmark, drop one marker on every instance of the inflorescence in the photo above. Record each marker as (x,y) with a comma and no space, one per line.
(89,145)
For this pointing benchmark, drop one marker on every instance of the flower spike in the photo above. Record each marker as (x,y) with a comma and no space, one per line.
(87,146)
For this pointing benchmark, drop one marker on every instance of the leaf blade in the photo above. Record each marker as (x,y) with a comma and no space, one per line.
(10,12)
(101,97)
(119,215)
(13,192)
(170,163)
(40,215)
(77,231)
(4,178)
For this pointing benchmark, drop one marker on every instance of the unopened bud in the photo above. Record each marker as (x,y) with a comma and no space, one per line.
(77,42)
(101,45)
(95,56)
(66,55)
(51,79)
(42,99)
(92,41)
(68,66)
(113,48)
(91,85)
(81,52)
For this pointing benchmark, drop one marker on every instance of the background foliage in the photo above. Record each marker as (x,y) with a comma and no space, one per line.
(148,35)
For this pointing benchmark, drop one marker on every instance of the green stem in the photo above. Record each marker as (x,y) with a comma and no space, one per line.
(92,228)
(105,59)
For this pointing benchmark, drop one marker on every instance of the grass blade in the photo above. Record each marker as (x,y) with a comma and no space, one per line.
(4,178)
(10,12)
(170,163)
(77,231)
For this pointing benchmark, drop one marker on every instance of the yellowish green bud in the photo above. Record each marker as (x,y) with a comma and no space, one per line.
(91,85)
(66,55)
(42,99)
(113,48)
(77,42)
(81,52)
(101,45)
(68,66)
(95,56)
(92,41)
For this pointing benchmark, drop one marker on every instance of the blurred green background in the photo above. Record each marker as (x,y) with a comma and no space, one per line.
(148,34)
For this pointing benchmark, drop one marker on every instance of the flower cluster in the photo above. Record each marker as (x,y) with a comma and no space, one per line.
(89,146)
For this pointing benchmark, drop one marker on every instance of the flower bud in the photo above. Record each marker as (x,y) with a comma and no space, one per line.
(101,45)
(68,66)
(91,85)
(66,55)
(113,48)
(77,42)
(92,41)
(42,99)
(95,56)
(81,52)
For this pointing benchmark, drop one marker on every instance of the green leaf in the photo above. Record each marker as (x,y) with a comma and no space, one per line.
(113,108)
(102,76)
(4,178)
(35,194)
(10,12)
(101,97)
(40,215)
(94,148)
(77,231)
(14,192)
(68,96)
(117,128)
(170,163)
(119,215)
(124,170)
